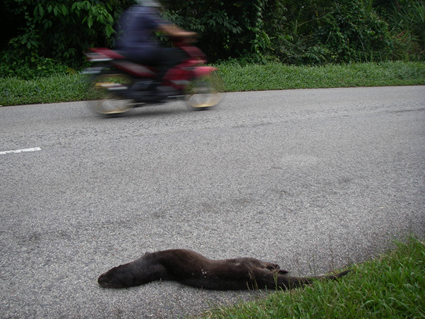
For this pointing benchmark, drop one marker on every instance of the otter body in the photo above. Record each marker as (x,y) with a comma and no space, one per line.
(192,269)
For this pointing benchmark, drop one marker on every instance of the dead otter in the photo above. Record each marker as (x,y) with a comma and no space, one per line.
(193,269)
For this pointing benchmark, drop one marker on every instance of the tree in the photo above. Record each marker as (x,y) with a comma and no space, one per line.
(231,28)
(291,31)
(62,29)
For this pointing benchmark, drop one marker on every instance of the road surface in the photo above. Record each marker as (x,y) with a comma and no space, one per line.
(310,179)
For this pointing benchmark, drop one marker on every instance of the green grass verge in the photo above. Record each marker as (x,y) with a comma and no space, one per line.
(275,76)
(271,76)
(391,286)
(44,90)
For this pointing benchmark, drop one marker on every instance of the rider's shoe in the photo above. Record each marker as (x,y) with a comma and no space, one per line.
(155,93)
(166,91)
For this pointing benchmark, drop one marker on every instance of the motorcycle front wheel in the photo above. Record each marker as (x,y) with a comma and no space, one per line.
(105,89)
(204,92)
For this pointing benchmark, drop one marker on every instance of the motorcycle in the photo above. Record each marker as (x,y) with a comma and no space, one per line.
(119,84)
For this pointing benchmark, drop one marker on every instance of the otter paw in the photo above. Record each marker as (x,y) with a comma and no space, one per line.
(272,267)
(283,271)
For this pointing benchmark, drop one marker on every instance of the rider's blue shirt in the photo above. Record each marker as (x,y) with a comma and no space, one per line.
(138,25)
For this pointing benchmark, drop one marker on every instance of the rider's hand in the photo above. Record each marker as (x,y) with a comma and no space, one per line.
(174,31)
(190,37)
(189,34)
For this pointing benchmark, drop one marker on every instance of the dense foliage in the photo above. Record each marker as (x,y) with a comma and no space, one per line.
(45,32)
(37,34)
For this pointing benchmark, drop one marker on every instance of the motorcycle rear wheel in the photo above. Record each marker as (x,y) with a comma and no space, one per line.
(205,92)
(107,101)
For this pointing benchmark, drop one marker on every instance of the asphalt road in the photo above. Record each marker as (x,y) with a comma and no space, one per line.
(310,179)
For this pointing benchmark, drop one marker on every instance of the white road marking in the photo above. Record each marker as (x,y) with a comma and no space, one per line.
(34,149)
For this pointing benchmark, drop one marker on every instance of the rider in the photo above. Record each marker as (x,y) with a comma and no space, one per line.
(137,39)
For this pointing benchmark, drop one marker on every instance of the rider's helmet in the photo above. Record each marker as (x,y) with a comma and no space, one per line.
(149,3)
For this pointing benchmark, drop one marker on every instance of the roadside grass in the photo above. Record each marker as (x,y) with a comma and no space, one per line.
(390,286)
(271,76)
(53,89)
(274,76)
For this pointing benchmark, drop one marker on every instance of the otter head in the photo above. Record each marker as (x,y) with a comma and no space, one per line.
(117,277)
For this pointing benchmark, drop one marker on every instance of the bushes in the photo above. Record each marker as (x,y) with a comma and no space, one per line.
(62,29)
(297,32)
(312,32)
(29,67)
(334,32)
(352,34)
(408,26)
(226,28)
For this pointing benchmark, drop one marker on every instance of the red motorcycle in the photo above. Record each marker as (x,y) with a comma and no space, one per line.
(119,84)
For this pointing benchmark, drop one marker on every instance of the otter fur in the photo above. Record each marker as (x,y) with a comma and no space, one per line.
(190,268)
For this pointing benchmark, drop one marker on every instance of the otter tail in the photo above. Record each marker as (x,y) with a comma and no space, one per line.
(288,282)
